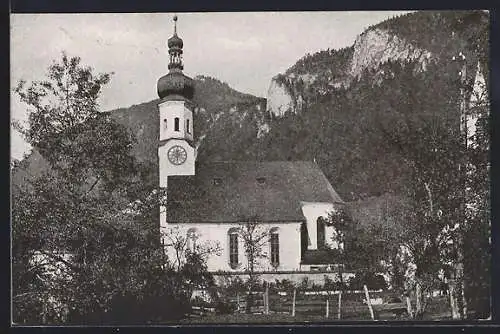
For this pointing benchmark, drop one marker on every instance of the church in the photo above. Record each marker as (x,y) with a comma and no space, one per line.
(211,201)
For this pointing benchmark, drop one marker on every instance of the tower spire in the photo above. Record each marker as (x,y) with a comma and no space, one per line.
(175,83)
(175,45)
(175,24)
(176,151)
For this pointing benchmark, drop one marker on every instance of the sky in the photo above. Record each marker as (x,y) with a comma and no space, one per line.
(243,49)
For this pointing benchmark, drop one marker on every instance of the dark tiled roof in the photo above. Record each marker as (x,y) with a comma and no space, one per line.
(235,191)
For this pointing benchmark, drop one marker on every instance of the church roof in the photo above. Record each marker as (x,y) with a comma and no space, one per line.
(238,191)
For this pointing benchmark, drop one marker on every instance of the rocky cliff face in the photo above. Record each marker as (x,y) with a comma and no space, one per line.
(282,97)
(372,48)
(279,99)
(231,125)
(377,46)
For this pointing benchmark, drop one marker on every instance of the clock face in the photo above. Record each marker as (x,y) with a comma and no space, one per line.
(177,155)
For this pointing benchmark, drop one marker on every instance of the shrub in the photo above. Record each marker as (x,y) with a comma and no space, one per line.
(372,281)
(231,287)
(304,284)
(285,285)
(224,307)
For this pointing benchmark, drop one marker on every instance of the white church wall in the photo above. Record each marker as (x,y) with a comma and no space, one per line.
(217,233)
(312,211)
(188,125)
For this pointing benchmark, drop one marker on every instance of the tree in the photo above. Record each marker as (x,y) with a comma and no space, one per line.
(63,125)
(339,220)
(97,237)
(89,216)
(372,233)
(476,228)
(190,257)
(255,237)
(68,97)
(430,143)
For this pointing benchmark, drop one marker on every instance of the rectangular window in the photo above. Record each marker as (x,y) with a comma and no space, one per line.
(187,126)
(233,250)
(275,249)
(176,124)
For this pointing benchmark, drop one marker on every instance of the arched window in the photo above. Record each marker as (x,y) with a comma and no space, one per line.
(275,247)
(304,238)
(320,223)
(192,237)
(165,123)
(176,124)
(187,126)
(233,248)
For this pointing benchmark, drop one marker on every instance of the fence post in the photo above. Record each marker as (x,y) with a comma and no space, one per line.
(266,299)
(264,302)
(340,303)
(238,302)
(408,306)
(418,301)
(368,301)
(293,302)
(327,308)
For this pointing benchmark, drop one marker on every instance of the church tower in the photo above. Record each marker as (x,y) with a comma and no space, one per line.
(176,152)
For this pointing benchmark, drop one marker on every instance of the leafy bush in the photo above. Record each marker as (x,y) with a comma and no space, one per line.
(225,307)
(372,281)
(304,284)
(284,285)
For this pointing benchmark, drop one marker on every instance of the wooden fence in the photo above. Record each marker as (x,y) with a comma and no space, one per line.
(331,305)
(258,303)
(200,311)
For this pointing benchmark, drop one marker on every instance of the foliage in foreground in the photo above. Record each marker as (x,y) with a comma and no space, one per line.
(85,246)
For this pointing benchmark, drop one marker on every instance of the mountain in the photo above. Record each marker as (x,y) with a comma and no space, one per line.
(335,106)
(220,114)
(427,36)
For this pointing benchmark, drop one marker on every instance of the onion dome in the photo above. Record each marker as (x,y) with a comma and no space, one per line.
(175,83)
(175,42)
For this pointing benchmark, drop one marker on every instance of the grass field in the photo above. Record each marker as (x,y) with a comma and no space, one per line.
(285,319)
(309,311)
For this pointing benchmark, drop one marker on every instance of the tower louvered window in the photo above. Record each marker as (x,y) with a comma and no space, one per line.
(176,124)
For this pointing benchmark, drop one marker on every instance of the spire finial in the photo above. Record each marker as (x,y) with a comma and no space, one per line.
(175,24)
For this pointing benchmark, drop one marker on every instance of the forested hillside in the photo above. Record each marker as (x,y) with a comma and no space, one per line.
(382,120)
(427,36)
(342,121)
